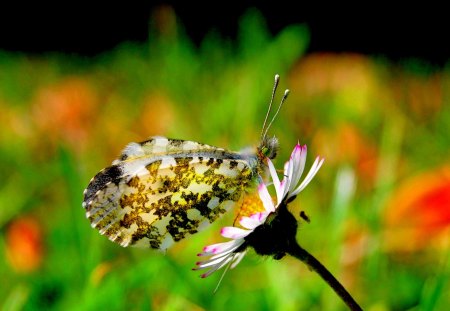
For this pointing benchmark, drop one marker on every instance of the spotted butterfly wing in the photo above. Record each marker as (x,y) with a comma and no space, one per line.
(161,190)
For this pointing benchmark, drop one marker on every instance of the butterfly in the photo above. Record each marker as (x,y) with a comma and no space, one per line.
(161,190)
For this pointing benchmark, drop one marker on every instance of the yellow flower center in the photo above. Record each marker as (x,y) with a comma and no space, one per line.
(251,204)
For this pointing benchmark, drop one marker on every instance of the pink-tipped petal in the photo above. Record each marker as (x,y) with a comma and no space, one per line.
(299,166)
(296,163)
(234,233)
(217,248)
(251,222)
(298,149)
(261,217)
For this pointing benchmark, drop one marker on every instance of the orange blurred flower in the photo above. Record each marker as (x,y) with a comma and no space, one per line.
(24,247)
(347,144)
(65,111)
(156,116)
(418,214)
(99,272)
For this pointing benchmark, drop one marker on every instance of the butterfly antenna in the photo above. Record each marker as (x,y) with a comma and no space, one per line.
(275,85)
(286,93)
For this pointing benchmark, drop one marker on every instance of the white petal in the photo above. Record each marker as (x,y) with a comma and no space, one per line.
(261,216)
(218,258)
(312,172)
(296,159)
(288,177)
(299,160)
(226,251)
(283,190)
(211,262)
(217,267)
(252,222)
(275,179)
(217,248)
(265,198)
(234,232)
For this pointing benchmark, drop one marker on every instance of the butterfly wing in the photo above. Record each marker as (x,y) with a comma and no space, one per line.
(162,190)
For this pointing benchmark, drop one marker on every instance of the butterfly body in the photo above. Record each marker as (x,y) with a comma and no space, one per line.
(161,190)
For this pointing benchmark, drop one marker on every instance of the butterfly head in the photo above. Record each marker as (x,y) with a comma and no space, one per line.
(268,148)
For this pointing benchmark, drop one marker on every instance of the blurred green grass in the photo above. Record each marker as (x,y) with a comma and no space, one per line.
(380,126)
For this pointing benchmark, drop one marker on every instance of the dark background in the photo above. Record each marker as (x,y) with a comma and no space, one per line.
(75,27)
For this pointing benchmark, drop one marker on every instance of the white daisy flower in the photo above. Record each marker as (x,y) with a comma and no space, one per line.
(231,253)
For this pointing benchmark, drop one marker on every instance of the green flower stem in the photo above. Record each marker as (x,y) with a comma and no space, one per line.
(300,253)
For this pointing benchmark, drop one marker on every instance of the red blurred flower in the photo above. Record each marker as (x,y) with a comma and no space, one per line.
(418,214)
(24,247)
